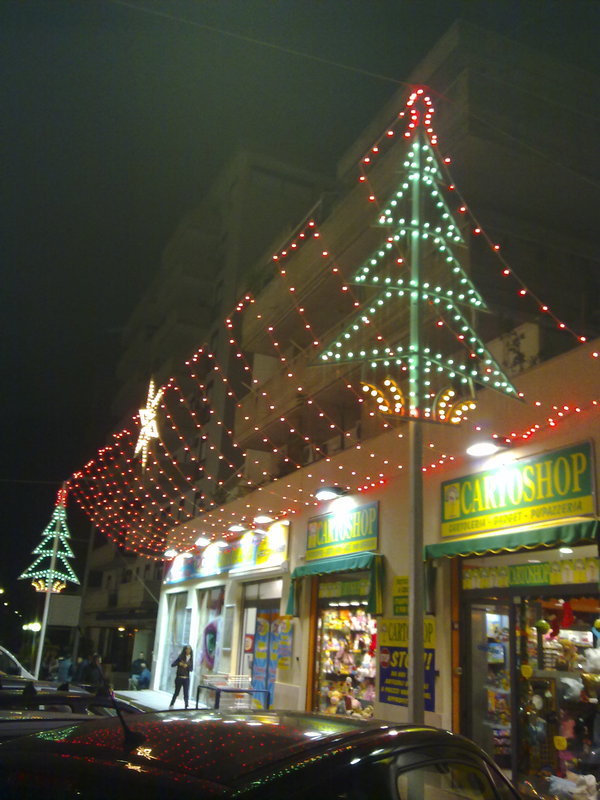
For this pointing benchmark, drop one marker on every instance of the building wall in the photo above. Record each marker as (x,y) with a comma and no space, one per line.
(542,384)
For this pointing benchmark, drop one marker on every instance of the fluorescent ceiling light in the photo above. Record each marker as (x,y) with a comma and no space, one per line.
(170,553)
(329,492)
(202,541)
(486,447)
(236,528)
(263,519)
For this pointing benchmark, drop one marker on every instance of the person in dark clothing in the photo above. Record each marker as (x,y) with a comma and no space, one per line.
(140,674)
(185,664)
(94,674)
(79,669)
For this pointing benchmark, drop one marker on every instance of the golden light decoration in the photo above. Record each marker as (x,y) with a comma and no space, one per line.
(148,424)
(449,408)
(390,399)
(40,585)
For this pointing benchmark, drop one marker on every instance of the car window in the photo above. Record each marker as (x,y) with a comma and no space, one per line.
(7,665)
(444,781)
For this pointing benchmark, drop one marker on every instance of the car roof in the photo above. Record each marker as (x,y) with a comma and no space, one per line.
(76,701)
(20,682)
(230,749)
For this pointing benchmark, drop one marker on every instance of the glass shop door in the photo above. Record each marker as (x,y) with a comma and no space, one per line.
(487,685)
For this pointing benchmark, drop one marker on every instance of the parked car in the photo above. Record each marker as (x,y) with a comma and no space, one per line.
(103,705)
(19,682)
(10,665)
(250,755)
(24,722)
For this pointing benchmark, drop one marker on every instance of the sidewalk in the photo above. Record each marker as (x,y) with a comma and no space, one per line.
(152,700)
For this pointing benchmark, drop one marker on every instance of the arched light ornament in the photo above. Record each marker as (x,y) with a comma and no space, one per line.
(148,424)
(448,406)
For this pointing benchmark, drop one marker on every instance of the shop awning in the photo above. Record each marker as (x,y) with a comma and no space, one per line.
(569,533)
(350,563)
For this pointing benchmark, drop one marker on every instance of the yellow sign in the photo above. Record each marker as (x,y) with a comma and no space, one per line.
(540,489)
(347,531)
(400,595)
(394,632)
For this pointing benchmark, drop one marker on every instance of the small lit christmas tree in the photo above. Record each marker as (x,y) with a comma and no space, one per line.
(51,568)
(416,319)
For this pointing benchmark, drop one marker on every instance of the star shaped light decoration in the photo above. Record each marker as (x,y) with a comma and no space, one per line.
(148,426)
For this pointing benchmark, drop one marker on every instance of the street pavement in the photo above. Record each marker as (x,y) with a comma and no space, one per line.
(151,699)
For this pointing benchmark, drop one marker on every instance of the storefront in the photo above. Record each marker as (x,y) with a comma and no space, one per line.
(345,585)
(224,601)
(527,605)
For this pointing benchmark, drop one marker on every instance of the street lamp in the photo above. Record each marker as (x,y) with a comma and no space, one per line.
(34,627)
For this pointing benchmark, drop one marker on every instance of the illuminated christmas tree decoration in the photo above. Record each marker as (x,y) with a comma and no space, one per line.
(416,293)
(51,569)
(148,424)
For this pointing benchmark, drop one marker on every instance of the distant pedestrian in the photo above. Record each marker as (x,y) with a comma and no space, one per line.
(79,669)
(185,664)
(64,671)
(140,674)
(94,674)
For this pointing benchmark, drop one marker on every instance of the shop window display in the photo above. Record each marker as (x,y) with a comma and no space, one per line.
(347,640)
(559,692)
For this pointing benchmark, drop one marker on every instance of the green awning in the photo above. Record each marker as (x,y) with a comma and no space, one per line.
(570,533)
(350,563)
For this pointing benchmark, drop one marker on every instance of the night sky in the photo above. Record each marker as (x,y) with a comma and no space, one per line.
(116,116)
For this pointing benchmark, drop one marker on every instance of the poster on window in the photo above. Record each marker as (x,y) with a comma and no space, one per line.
(284,646)
(393,661)
(260,663)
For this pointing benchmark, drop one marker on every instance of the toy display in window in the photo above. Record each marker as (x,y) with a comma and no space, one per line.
(346,663)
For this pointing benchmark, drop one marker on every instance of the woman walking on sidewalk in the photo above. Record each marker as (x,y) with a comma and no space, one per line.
(185,664)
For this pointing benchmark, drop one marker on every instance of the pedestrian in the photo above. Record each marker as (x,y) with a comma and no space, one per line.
(185,664)
(94,674)
(140,674)
(79,669)
(64,671)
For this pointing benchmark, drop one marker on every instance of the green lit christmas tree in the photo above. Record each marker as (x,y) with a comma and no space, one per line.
(414,329)
(51,568)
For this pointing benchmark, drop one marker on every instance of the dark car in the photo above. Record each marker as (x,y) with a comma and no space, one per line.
(266,755)
(18,682)
(65,702)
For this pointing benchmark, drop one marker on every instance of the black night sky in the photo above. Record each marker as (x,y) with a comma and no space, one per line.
(116,117)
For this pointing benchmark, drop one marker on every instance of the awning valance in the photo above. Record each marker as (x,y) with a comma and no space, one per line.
(569,533)
(350,563)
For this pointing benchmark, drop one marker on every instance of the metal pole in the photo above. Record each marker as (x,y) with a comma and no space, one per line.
(416,658)
(49,584)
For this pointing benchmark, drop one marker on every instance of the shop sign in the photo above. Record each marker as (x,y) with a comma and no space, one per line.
(343,532)
(548,573)
(251,550)
(547,487)
(400,595)
(340,590)
(393,661)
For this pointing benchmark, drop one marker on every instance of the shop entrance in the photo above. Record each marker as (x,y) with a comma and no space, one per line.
(258,654)
(488,699)
(345,647)
(531,684)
